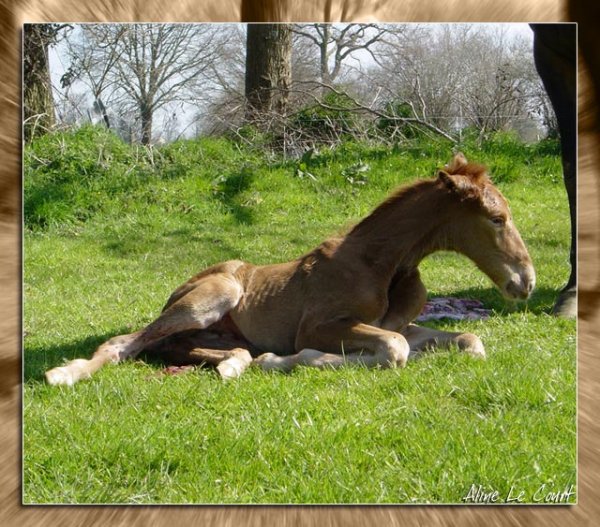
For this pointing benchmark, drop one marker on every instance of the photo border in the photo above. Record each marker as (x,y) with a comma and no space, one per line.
(12,15)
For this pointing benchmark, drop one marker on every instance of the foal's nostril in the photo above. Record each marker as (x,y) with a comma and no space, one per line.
(520,287)
(530,282)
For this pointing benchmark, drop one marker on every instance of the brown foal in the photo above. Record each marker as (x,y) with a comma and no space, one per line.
(350,300)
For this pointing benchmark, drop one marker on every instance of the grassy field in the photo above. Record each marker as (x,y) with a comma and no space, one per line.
(111,231)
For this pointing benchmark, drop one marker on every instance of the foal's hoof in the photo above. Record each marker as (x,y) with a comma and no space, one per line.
(471,344)
(234,366)
(74,371)
(60,375)
(272,362)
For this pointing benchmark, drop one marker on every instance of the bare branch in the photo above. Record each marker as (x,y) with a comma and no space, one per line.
(360,107)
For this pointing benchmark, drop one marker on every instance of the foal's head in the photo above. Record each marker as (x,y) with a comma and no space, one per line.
(482,228)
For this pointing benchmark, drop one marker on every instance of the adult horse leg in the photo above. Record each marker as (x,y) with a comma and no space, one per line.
(555,56)
(587,13)
(199,308)
(334,344)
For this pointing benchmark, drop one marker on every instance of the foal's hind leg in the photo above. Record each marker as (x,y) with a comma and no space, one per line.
(178,350)
(204,305)
(229,363)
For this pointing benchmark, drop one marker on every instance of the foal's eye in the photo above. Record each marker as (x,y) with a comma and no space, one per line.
(498,221)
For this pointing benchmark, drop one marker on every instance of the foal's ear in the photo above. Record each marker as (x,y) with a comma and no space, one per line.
(461,185)
(458,161)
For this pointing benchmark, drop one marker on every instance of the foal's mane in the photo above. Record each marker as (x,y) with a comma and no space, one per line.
(476,172)
(405,193)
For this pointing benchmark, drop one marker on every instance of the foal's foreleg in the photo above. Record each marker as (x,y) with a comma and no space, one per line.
(334,344)
(422,338)
(317,359)
(406,298)
(208,302)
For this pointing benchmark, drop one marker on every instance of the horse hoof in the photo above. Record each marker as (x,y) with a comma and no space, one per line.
(566,305)
(229,371)
(272,362)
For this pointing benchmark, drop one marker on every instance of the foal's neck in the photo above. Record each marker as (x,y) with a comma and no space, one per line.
(404,229)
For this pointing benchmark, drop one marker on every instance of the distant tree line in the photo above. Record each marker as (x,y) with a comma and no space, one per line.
(298,82)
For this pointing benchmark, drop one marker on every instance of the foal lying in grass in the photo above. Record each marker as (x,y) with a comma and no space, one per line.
(350,300)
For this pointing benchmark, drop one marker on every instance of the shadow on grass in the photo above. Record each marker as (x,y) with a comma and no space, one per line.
(37,360)
(541,302)
(174,241)
(228,190)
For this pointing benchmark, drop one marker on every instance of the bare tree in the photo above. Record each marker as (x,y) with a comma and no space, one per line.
(337,42)
(412,80)
(38,105)
(458,76)
(500,81)
(144,67)
(408,79)
(268,68)
(161,64)
(94,56)
(227,108)
(70,108)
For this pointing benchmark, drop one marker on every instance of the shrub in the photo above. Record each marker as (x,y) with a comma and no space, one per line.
(72,177)
(546,147)
(331,120)
(389,126)
(505,143)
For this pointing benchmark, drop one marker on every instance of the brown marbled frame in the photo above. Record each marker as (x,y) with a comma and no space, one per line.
(13,13)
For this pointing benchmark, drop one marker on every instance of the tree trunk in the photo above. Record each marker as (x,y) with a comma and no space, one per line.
(101,109)
(268,69)
(324,58)
(146,113)
(38,106)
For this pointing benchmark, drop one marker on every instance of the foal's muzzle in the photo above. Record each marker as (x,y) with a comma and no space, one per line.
(520,285)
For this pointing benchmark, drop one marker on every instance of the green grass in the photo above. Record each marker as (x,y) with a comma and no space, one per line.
(423,434)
